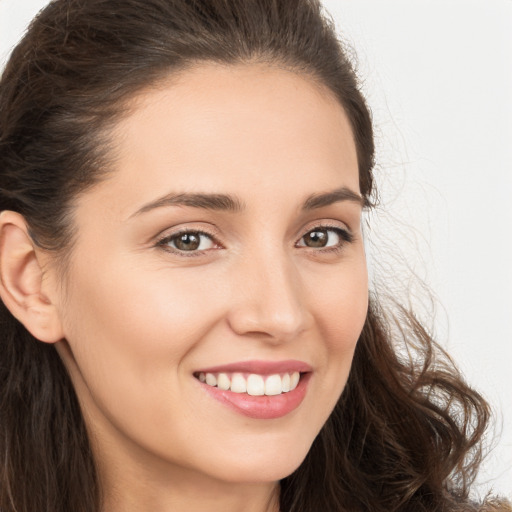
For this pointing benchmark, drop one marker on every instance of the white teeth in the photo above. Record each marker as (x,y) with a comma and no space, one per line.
(273,385)
(285,383)
(211,380)
(238,383)
(255,385)
(294,380)
(223,381)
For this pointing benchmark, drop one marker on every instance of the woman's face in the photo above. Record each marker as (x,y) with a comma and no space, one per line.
(224,246)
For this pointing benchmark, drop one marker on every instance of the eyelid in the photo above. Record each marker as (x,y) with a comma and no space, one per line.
(326,224)
(340,228)
(163,239)
(343,231)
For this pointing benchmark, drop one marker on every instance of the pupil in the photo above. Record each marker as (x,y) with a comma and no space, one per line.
(187,242)
(317,238)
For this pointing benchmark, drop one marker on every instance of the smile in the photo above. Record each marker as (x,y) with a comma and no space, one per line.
(258,389)
(253,384)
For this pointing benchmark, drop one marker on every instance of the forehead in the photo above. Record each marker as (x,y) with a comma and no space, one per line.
(241,127)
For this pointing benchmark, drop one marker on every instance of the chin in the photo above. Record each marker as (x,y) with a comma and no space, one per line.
(272,472)
(262,465)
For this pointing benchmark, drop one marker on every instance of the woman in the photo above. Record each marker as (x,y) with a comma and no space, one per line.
(186,317)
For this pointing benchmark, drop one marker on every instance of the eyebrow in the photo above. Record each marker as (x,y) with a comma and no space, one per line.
(229,203)
(220,202)
(315,201)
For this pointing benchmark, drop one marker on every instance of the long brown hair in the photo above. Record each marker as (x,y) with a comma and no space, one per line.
(406,432)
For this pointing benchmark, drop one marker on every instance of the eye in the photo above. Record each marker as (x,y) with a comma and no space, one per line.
(188,241)
(325,237)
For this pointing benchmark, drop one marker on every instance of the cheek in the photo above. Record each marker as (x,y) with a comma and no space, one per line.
(342,306)
(130,335)
(140,310)
(340,312)
(129,331)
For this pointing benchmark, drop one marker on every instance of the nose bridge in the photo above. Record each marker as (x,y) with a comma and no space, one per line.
(268,295)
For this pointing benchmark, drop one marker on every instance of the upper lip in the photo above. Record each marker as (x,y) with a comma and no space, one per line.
(260,367)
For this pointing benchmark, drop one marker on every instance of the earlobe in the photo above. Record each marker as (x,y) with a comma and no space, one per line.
(21,280)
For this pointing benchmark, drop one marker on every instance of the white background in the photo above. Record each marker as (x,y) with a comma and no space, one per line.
(438,77)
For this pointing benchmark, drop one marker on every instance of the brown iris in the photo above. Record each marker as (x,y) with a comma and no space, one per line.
(316,238)
(187,241)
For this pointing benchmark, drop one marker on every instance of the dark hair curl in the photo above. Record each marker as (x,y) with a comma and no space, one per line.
(406,432)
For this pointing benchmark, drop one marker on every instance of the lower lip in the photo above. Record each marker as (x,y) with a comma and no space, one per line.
(262,407)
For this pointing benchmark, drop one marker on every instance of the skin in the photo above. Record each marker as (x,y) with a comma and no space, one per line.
(139,319)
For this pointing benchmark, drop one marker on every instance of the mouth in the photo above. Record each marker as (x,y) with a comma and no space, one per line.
(260,390)
(252,384)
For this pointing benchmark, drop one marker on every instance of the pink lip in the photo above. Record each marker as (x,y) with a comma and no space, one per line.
(260,367)
(261,407)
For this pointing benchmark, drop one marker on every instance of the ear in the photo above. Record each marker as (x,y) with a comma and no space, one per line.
(22,280)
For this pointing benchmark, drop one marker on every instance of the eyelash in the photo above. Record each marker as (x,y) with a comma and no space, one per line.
(345,238)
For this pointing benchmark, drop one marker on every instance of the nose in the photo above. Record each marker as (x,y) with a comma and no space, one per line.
(268,299)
